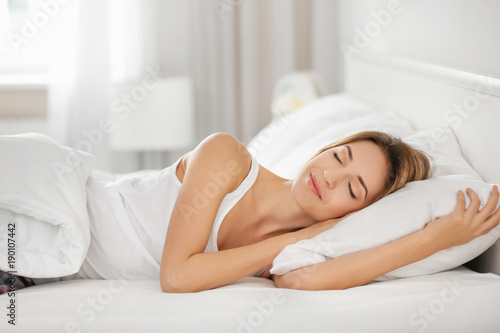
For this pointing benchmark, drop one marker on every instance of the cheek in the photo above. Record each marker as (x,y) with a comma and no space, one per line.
(341,196)
(340,203)
(343,204)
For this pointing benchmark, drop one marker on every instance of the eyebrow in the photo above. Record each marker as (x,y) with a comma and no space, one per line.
(350,152)
(359,177)
(364,185)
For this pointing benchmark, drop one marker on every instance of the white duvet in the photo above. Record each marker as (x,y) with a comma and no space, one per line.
(44,226)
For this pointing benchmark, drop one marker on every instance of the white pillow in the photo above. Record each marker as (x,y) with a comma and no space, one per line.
(43,208)
(288,142)
(402,213)
(442,146)
(395,216)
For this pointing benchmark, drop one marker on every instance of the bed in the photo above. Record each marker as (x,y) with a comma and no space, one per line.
(462,299)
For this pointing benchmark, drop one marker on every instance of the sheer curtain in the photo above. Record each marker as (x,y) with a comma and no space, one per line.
(233,50)
(79,86)
(240,48)
(110,44)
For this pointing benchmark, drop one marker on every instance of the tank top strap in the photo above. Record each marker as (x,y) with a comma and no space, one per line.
(229,202)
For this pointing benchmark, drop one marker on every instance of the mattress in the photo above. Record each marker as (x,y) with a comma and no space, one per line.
(455,301)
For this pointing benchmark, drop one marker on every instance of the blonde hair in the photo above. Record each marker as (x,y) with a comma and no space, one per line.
(406,164)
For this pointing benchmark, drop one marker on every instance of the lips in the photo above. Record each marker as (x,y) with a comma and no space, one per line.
(312,182)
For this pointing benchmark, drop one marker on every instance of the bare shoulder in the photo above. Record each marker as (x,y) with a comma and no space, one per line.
(213,169)
(220,154)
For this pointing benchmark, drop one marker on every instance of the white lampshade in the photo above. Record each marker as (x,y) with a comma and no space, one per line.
(159,118)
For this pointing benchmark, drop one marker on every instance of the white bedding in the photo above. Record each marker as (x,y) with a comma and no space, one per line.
(454,301)
(43,214)
(457,301)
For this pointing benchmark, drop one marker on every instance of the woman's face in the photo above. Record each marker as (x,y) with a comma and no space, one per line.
(341,180)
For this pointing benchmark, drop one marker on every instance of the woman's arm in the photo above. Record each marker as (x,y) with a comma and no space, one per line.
(212,170)
(215,167)
(459,227)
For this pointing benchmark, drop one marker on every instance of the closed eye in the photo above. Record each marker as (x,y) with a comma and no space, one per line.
(337,158)
(351,192)
(349,185)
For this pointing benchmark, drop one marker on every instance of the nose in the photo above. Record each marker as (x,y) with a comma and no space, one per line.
(336,176)
(332,177)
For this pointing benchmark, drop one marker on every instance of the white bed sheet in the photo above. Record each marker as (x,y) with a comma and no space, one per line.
(456,301)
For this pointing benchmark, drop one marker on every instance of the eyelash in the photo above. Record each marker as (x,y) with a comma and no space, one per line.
(351,192)
(337,158)
(349,186)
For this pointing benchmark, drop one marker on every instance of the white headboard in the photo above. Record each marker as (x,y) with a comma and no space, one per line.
(429,95)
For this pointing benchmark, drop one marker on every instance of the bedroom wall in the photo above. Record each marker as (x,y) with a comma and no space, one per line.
(460,34)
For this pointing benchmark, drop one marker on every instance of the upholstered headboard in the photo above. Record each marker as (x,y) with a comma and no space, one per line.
(429,95)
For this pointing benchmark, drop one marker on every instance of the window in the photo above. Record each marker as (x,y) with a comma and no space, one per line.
(31,31)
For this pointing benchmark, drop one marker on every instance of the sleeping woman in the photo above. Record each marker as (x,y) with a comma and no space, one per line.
(216,216)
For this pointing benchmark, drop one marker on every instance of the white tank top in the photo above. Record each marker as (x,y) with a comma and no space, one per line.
(129,219)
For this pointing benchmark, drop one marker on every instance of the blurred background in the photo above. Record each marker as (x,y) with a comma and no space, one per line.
(138,83)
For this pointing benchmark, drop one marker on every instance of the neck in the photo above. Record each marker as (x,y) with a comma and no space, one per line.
(276,209)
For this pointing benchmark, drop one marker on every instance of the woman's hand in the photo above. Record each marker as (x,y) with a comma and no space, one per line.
(463,225)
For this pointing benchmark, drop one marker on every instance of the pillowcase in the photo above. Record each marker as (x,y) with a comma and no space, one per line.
(289,141)
(395,216)
(402,213)
(44,224)
(442,146)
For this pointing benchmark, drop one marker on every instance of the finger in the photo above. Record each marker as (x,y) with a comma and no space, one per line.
(460,207)
(492,221)
(491,204)
(489,225)
(475,203)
